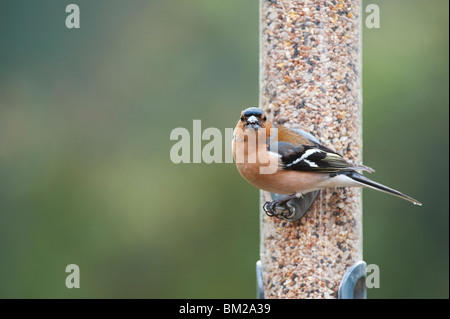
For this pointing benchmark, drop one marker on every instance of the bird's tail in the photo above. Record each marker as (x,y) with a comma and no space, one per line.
(364,181)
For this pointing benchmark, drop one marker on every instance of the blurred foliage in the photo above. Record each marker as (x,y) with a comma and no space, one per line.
(85,173)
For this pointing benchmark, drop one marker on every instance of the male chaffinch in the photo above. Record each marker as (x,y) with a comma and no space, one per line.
(292,162)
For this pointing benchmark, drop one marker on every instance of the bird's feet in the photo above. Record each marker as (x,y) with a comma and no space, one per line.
(290,207)
(279,209)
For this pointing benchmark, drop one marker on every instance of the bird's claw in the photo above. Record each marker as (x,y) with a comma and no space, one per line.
(278,209)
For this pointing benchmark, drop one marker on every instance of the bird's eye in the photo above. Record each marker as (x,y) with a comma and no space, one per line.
(242,118)
(264,118)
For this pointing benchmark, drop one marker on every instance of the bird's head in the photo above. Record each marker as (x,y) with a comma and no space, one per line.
(253,122)
(253,118)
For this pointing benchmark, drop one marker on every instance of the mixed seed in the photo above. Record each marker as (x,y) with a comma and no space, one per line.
(310,78)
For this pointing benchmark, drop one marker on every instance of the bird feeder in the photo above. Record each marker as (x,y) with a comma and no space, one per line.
(310,79)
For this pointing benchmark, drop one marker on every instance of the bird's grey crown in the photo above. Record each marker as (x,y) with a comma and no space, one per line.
(253,111)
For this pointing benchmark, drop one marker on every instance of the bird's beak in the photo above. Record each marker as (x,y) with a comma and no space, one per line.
(252,122)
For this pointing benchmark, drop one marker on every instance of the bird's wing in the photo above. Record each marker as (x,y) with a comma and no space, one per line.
(310,156)
(307,135)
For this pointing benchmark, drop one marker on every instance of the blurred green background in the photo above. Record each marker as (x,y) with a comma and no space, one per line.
(85,172)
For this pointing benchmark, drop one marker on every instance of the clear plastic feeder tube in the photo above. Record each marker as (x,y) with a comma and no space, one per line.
(310,78)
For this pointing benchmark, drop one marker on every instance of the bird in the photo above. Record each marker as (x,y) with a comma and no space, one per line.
(292,162)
